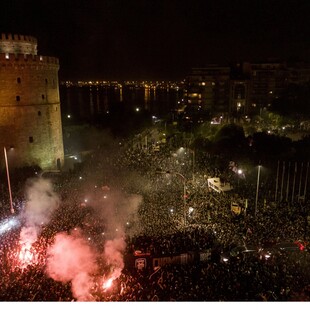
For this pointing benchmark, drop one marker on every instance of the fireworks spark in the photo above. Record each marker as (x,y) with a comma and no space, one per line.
(107,284)
(27,256)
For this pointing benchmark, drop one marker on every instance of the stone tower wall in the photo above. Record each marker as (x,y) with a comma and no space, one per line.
(30,112)
(18,44)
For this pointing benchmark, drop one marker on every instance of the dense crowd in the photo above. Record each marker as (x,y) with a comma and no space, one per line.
(155,225)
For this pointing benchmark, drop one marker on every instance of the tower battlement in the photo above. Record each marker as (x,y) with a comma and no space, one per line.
(18,44)
(26,59)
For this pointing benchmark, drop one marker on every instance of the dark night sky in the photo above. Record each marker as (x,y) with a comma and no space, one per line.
(158,39)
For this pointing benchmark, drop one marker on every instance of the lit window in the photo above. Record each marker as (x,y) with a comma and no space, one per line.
(41,58)
(7,56)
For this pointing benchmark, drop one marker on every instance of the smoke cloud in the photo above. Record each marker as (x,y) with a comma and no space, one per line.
(42,201)
(113,250)
(71,258)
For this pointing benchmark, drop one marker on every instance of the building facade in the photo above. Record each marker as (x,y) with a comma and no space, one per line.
(242,88)
(30,115)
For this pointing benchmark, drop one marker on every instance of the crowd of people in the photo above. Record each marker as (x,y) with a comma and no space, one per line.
(153,216)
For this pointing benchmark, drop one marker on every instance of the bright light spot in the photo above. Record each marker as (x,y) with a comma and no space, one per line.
(137,109)
(171,210)
(239,171)
(89,238)
(190,210)
(107,284)
(225,259)
(105,196)
(85,200)
(80,178)
(127,223)
(68,116)
(27,255)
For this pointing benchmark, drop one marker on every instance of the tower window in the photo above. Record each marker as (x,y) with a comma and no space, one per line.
(45,81)
(30,139)
(43,97)
(19,80)
(17,98)
(39,113)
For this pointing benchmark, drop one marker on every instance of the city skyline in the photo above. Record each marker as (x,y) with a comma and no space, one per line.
(136,40)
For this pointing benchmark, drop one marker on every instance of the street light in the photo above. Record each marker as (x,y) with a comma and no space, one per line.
(8,177)
(193,159)
(193,163)
(184,189)
(257,186)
